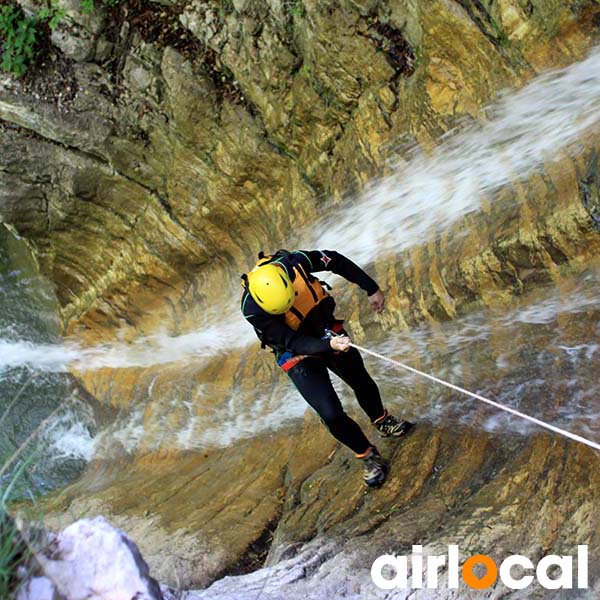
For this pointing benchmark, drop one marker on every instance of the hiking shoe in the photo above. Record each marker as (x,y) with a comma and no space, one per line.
(375,468)
(390,426)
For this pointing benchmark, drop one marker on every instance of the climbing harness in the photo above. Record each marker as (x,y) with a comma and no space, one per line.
(568,434)
(309,296)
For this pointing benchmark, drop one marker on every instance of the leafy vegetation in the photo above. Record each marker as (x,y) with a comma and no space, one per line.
(296,8)
(14,551)
(51,14)
(88,6)
(19,34)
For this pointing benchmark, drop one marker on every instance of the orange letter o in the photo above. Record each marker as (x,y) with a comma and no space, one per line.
(487,580)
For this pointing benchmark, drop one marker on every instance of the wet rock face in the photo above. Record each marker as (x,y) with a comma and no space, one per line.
(302,505)
(590,190)
(207,130)
(265,107)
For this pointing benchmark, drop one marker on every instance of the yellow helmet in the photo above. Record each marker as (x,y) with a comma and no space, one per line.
(271,288)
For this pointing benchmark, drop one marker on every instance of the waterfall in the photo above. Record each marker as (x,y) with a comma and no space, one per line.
(516,136)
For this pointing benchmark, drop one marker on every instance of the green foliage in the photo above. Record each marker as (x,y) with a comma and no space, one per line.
(500,35)
(297,8)
(226,8)
(18,36)
(14,552)
(88,6)
(51,14)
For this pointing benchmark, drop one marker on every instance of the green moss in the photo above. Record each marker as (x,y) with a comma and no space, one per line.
(225,8)
(296,8)
(324,93)
(88,6)
(501,37)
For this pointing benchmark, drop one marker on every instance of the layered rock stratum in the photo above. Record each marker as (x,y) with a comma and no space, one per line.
(162,145)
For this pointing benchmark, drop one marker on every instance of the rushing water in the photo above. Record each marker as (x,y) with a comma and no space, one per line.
(540,357)
(520,132)
(31,390)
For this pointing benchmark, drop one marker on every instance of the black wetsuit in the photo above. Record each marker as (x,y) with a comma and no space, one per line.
(310,374)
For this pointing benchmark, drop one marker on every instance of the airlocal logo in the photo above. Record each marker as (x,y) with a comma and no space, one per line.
(487,573)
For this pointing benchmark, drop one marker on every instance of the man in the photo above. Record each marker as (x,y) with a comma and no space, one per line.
(293,314)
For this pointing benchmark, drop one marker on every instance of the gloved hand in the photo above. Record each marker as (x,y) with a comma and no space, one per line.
(341,343)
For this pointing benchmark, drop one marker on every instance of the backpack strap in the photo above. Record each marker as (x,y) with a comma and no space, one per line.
(263,259)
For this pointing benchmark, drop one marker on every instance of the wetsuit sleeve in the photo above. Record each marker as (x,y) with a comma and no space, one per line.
(275,332)
(330,260)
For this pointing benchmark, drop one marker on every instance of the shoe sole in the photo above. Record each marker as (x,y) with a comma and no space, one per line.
(404,432)
(378,481)
(375,484)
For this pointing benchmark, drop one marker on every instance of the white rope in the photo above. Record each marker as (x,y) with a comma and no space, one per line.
(558,430)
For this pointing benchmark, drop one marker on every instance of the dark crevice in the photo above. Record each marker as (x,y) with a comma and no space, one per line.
(255,554)
(167,206)
(589,188)
(23,132)
(155,23)
(486,23)
(311,568)
(226,86)
(557,255)
(527,8)
(398,53)
(158,24)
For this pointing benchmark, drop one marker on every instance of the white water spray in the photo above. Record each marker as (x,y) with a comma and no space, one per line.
(524,129)
(157,349)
